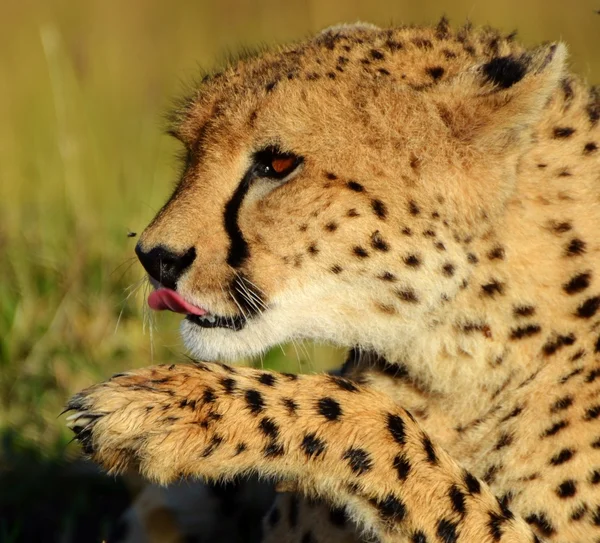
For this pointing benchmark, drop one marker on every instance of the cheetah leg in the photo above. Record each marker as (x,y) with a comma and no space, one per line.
(323,435)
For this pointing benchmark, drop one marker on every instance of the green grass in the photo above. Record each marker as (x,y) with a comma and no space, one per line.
(83,161)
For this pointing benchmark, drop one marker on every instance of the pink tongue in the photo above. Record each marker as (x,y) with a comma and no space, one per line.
(165,298)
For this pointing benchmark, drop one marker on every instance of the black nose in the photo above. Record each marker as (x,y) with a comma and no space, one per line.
(164,265)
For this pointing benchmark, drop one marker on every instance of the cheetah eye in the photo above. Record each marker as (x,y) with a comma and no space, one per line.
(272,163)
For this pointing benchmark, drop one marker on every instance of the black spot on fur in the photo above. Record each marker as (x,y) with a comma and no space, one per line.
(412,261)
(561,404)
(472,483)
(579,512)
(273,450)
(514,413)
(407,295)
(490,473)
(312,445)
(577,283)
(435,72)
(402,466)
(254,401)
(331,227)
(525,331)
(329,408)
(589,148)
(359,460)
(336,269)
(492,288)
(390,508)
(208,396)
(378,243)
(267,379)
(561,457)
(379,209)
(457,498)
(269,427)
(541,522)
(503,441)
(429,450)
(395,425)
(592,413)
(343,383)
(448,270)
(418,537)
(212,446)
(504,71)
(575,247)
(356,187)
(360,252)
(588,308)
(446,531)
(497,253)
(555,428)
(422,43)
(592,375)
(387,276)
(524,311)
(563,132)
(413,208)
(495,525)
(552,346)
(567,489)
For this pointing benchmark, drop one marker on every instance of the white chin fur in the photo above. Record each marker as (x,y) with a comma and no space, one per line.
(226,344)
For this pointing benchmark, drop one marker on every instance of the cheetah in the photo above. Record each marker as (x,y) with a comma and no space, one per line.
(428,198)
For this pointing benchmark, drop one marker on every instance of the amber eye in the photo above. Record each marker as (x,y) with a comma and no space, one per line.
(273,163)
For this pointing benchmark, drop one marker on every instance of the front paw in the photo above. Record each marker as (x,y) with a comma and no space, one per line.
(151,420)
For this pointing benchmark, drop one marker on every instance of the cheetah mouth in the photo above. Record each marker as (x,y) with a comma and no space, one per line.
(165,299)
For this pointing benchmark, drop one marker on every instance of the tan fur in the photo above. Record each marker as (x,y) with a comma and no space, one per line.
(461,268)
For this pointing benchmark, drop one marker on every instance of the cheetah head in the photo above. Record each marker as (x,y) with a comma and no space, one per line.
(329,187)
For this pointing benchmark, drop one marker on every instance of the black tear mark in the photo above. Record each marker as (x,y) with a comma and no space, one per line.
(238,248)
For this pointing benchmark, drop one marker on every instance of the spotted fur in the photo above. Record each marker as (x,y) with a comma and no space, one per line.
(442,223)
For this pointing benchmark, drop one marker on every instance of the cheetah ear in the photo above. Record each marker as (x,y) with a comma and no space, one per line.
(494,104)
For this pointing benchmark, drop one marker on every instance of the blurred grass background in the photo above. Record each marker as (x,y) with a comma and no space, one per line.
(83,162)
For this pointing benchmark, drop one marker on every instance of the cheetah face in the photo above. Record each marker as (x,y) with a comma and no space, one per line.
(333,208)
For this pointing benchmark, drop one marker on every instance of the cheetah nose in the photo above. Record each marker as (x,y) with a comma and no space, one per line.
(165,266)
